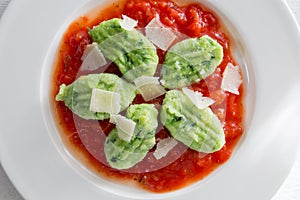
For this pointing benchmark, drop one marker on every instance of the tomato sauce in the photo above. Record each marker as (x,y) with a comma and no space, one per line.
(190,166)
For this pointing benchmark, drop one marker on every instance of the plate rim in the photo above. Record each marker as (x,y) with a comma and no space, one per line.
(3,161)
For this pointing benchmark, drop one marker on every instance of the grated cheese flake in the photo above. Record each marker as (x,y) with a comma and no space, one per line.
(164,147)
(160,35)
(231,79)
(197,98)
(124,126)
(92,58)
(144,80)
(128,23)
(105,101)
(149,87)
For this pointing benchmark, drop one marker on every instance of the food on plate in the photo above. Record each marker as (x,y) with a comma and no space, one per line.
(199,129)
(149,87)
(92,58)
(77,96)
(163,147)
(149,92)
(191,60)
(162,36)
(133,53)
(123,154)
(231,79)
(197,98)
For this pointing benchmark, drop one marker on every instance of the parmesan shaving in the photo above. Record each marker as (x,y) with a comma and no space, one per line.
(231,79)
(164,147)
(105,101)
(197,98)
(124,126)
(144,80)
(87,50)
(92,58)
(128,23)
(149,87)
(162,82)
(160,35)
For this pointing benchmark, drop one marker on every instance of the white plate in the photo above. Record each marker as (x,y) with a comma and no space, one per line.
(259,167)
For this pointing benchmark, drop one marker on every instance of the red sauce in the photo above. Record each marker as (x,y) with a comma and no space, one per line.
(193,20)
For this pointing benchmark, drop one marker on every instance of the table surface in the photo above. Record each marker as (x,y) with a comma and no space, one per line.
(290,190)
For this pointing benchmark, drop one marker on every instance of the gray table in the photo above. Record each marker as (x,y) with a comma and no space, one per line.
(289,191)
(7,190)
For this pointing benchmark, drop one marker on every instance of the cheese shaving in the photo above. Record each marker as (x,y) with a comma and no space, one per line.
(105,101)
(231,79)
(197,98)
(92,58)
(124,126)
(160,35)
(149,87)
(144,80)
(164,147)
(128,23)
